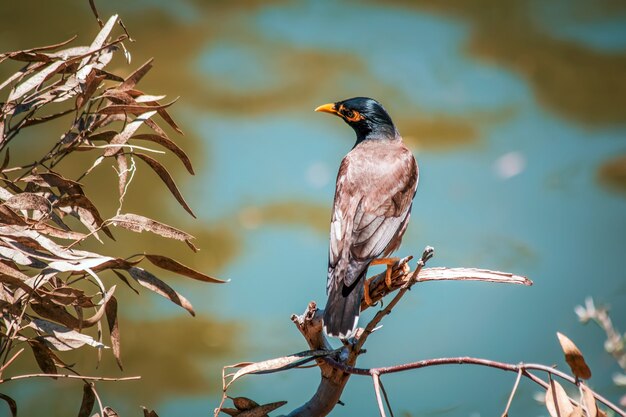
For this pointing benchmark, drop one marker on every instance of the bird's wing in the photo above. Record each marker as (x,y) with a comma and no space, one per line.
(370,212)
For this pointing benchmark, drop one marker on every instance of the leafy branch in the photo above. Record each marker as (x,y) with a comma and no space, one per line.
(52,294)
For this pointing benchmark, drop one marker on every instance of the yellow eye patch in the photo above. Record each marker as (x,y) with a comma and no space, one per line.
(349,115)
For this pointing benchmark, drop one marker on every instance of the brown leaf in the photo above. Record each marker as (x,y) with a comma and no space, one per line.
(122,173)
(129,130)
(589,401)
(28,201)
(55,232)
(111,311)
(52,179)
(167,179)
(557,401)
(276,364)
(7,157)
(133,108)
(140,97)
(91,84)
(11,275)
(150,413)
(109,412)
(262,410)
(88,402)
(574,357)
(170,145)
(230,411)
(8,216)
(137,223)
(43,356)
(106,136)
(34,81)
(38,49)
(244,403)
(11,403)
(44,119)
(170,264)
(81,207)
(151,282)
(62,338)
(136,76)
(124,280)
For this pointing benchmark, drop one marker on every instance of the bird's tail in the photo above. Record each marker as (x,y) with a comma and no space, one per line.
(341,314)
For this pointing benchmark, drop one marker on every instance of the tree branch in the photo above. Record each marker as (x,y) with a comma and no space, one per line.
(336,368)
(84,378)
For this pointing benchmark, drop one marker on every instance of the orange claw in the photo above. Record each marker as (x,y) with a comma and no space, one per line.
(366,293)
(389,262)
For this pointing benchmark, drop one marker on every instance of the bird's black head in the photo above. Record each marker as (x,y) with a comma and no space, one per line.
(366,116)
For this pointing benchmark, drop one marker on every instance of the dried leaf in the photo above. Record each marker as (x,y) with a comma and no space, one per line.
(7,157)
(44,119)
(170,145)
(106,136)
(8,216)
(13,276)
(557,401)
(151,282)
(20,258)
(136,76)
(230,411)
(574,357)
(62,338)
(137,223)
(77,265)
(129,130)
(174,266)
(109,412)
(589,401)
(11,403)
(43,356)
(51,179)
(262,410)
(28,201)
(103,34)
(88,402)
(122,173)
(81,207)
(114,330)
(34,81)
(89,87)
(150,413)
(38,49)
(244,403)
(167,179)
(124,280)
(56,313)
(277,364)
(133,108)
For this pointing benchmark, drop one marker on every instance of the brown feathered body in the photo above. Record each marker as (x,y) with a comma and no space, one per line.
(376,184)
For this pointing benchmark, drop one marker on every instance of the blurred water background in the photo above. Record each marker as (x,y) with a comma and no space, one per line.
(516,112)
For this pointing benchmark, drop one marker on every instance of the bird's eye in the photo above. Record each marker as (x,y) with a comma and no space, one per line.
(349,114)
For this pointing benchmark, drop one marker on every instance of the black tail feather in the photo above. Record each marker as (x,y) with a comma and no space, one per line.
(341,314)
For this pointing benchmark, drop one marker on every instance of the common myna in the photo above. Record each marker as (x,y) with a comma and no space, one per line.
(376,184)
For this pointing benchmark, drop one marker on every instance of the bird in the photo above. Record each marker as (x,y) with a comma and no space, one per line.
(375,187)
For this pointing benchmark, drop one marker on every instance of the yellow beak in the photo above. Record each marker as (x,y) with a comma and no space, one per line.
(327,108)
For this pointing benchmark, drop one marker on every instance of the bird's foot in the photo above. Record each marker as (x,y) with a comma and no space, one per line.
(366,293)
(390,262)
